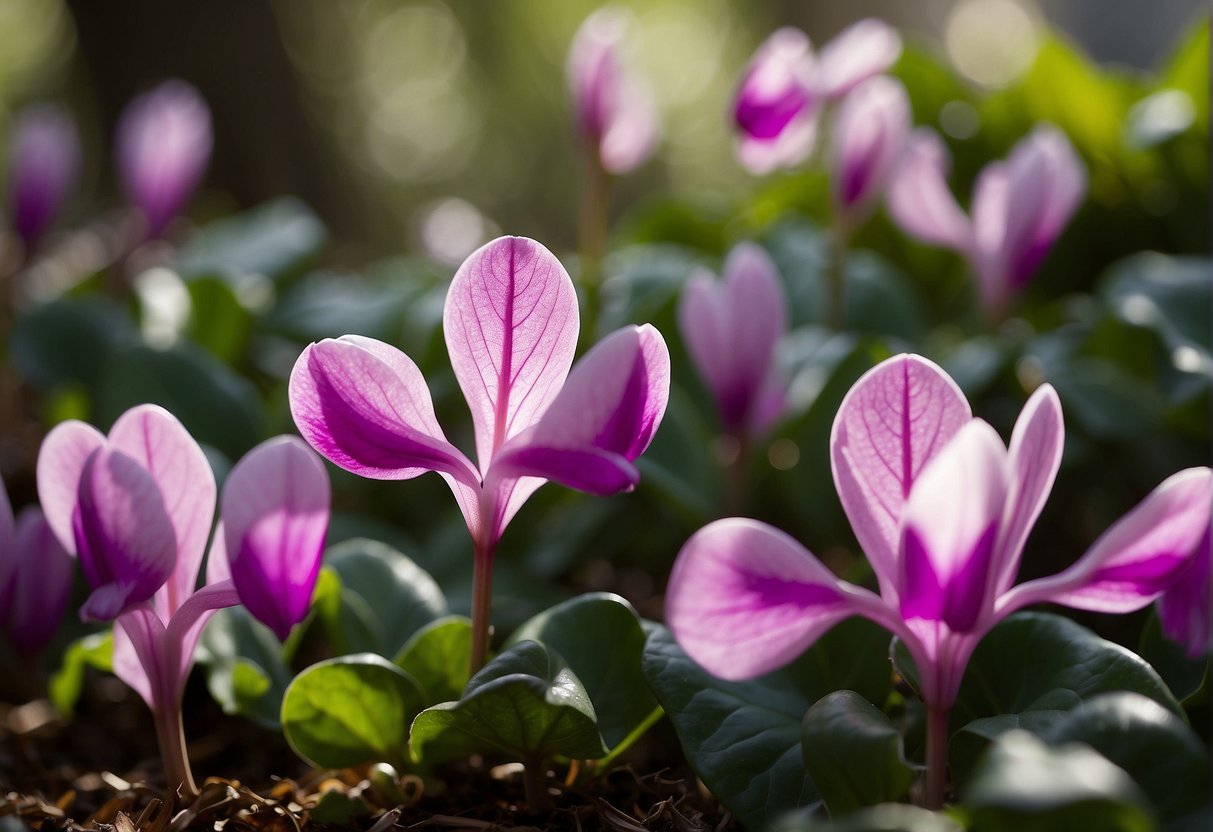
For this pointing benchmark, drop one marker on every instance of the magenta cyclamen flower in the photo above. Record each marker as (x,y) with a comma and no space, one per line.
(511,327)
(1183,610)
(615,112)
(43,160)
(35,578)
(942,509)
(731,329)
(163,147)
(785,86)
(1020,207)
(869,131)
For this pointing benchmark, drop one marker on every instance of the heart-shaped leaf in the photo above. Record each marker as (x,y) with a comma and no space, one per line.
(526,705)
(438,656)
(853,753)
(272,240)
(743,738)
(350,710)
(600,636)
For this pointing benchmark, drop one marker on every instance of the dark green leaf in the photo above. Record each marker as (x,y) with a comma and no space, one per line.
(1184,676)
(69,340)
(889,817)
(64,687)
(218,322)
(272,240)
(247,672)
(438,656)
(350,710)
(600,637)
(526,704)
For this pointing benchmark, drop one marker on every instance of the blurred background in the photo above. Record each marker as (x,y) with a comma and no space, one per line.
(425,125)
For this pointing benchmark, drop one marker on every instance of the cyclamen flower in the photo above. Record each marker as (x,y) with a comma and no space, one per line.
(511,326)
(1020,207)
(869,131)
(731,329)
(35,578)
(43,161)
(615,112)
(942,509)
(785,87)
(162,149)
(1183,610)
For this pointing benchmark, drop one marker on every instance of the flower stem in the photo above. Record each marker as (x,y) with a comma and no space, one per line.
(937,757)
(836,312)
(595,201)
(482,605)
(535,779)
(170,733)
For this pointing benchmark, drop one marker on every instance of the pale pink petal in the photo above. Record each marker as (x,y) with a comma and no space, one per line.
(139,658)
(185,627)
(1035,456)
(857,53)
(745,599)
(41,583)
(633,132)
(870,129)
(989,211)
(950,527)
(61,461)
(275,515)
(217,567)
(511,327)
(703,321)
(154,438)
(787,150)
(757,320)
(918,196)
(895,418)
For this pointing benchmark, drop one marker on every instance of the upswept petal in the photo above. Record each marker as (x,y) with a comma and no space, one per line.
(139,658)
(154,438)
(1035,456)
(185,627)
(862,50)
(61,461)
(124,536)
(218,569)
(1183,610)
(775,109)
(633,132)
(869,131)
(989,212)
(745,599)
(894,419)
(1136,559)
(365,407)
(275,509)
(950,526)
(918,196)
(757,319)
(511,326)
(41,583)
(703,321)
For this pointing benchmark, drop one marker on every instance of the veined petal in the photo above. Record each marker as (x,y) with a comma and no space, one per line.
(154,438)
(511,325)
(950,528)
(1136,559)
(870,129)
(894,420)
(61,461)
(1035,456)
(745,599)
(41,583)
(124,536)
(857,53)
(275,517)
(919,199)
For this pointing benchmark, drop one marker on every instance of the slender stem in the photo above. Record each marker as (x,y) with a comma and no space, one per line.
(535,778)
(482,605)
(170,733)
(937,757)
(595,201)
(639,731)
(836,313)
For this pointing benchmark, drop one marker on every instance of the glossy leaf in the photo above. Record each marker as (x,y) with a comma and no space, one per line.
(69,340)
(526,704)
(853,753)
(600,636)
(743,738)
(350,710)
(438,656)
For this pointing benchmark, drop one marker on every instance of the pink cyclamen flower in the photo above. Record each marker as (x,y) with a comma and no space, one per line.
(1183,610)
(1020,207)
(35,578)
(615,112)
(163,147)
(869,132)
(731,329)
(43,161)
(942,509)
(778,103)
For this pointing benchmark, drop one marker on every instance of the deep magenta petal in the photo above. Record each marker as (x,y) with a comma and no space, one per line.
(43,161)
(41,583)
(588,469)
(1183,610)
(775,109)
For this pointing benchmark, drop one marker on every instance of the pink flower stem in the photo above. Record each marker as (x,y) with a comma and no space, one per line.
(482,605)
(170,734)
(937,757)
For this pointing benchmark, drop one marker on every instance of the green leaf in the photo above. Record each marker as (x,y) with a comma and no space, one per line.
(327,305)
(888,817)
(1162,754)
(69,340)
(218,321)
(64,687)
(247,672)
(438,656)
(853,753)
(600,636)
(1183,675)
(743,738)
(273,240)
(526,704)
(350,710)
(385,598)
(1024,784)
